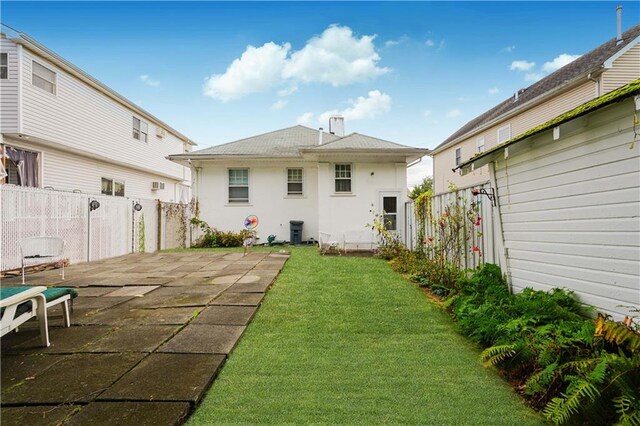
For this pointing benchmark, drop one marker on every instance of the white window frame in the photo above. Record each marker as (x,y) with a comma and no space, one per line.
(336,178)
(480,144)
(141,132)
(34,74)
(288,192)
(458,154)
(4,67)
(229,186)
(508,128)
(113,186)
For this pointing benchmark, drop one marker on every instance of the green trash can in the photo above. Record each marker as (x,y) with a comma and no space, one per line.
(295,228)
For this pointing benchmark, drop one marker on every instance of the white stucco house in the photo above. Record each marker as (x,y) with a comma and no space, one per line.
(62,129)
(568,202)
(328,181)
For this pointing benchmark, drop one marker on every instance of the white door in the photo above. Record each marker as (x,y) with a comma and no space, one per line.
(390,208)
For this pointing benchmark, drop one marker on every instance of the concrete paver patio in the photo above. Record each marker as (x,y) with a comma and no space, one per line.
(149,334)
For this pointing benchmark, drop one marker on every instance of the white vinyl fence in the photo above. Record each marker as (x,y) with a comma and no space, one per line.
(481,236)
(113,229)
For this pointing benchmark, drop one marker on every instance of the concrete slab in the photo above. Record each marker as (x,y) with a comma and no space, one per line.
(159,316)
(226,315)
(227,279)
(217,265)
(134,338)
(131,413)
(204,339)
(82,302)
(239,299)
(130,280)
(188,281)
(270,265)
(233,256)
(167,377)
(77,378)
(63,340)
(134,291)
(248,278)
(257,287)
(93,291)
(183,296)
(36,415)
(17,368)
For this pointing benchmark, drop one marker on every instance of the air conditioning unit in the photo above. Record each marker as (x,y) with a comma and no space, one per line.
(157,185)
(160,132)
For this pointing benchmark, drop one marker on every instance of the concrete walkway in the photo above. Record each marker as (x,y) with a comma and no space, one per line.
(149,334)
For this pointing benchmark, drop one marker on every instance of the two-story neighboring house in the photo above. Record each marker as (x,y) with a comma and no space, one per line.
(63,129)
(331,182)
(606,68)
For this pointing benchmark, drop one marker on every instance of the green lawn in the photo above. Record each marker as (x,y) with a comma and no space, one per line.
(347,340)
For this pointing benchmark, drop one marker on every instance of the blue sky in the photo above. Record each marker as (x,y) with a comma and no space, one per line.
(409,72)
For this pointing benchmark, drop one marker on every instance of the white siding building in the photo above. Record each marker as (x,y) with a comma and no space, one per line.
(330,182)
(569,202)
(72,133)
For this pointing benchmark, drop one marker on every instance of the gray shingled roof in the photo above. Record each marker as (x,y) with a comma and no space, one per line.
(280,143)
(357,141)
(587,62)
(290,141)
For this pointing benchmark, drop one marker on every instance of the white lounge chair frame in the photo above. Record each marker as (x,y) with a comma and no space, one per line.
(329,242)
(36,250)
(10,321)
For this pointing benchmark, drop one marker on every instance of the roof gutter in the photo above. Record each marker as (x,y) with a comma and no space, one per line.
(31,44)
(530,104)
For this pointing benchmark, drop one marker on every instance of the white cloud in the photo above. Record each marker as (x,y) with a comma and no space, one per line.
(305,119)
(335,57)
(429,43)
(374,104)
(427,112)
(559,62)
(534,76)
(493,91)
(278,105)
(149,81)
(521,65)
(453,113)
(286,92)
(508,49)
(441,45)
(258,69)
(391,43)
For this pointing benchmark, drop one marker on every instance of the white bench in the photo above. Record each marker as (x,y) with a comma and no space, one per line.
(37,250)
(330,242)
(362,239)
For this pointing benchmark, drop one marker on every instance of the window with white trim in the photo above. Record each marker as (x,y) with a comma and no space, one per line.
(504,133)
(22,166)
(112,187)
(140,129)
(238,185)
(342,178)
(294,181)
(4,66)
(458,156)
(480,144)
(43,77)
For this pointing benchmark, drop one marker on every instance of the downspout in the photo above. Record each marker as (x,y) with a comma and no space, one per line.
(414,163)
(597,82)
(503,252)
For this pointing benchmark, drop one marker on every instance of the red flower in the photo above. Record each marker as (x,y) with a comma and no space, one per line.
(475,248)
(430,239)
(477,223)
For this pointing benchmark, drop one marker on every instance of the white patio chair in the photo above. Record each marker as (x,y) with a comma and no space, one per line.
(16,309)
(329,242)
(37,250)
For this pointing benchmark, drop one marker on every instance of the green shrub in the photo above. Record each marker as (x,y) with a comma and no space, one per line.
(214,238)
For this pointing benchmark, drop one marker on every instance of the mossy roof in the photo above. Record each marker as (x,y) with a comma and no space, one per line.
(617,95)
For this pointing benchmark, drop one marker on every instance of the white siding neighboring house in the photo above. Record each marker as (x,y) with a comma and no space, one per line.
(329,182)
(609,66)
(569,202)
(76,134)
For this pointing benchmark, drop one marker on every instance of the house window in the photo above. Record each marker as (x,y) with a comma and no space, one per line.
(112,187)
(480,144)
(238,185)
(4,66)
(390,207)
(140,129)
(504,133)
(343,177)
(43,77)
(458,156)
(294,181)
(22,167)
